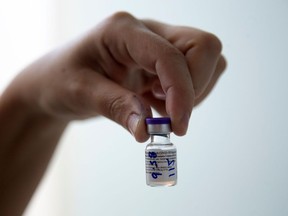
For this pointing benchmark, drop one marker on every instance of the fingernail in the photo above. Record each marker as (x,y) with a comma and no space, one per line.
(133,121)
(158,92)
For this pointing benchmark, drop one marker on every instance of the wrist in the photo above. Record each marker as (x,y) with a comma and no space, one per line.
(15,107)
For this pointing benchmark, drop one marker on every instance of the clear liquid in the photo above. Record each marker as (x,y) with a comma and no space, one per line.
(161,164)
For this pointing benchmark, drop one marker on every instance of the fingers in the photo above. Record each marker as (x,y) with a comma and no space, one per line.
(130,45)
(202,59)
(201,49)
(156,55)
(183,59)
(157,97)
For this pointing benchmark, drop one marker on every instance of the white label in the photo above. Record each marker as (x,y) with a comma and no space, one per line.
(161,166)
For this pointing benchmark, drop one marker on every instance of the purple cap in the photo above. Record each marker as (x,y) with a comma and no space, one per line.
(158,125)
(161,120)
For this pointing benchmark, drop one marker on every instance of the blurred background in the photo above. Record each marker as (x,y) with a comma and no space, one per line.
(234,158)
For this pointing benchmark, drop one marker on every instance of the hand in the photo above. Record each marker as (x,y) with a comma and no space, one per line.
(121,69)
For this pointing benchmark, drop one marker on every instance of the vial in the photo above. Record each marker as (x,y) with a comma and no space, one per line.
(160,154)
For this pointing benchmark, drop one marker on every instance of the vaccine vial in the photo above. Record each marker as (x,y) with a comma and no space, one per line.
(160,154)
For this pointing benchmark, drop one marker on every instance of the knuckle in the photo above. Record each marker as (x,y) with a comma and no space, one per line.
(121,18)
(77,90)
(77,95)
(210,43)
(120,15)
(119,23)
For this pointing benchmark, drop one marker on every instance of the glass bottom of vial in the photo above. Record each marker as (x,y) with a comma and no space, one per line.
(162,184)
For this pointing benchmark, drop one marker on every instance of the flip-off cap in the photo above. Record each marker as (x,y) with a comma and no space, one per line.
(158,125)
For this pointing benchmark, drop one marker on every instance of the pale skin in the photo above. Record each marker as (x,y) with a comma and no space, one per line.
(119,70)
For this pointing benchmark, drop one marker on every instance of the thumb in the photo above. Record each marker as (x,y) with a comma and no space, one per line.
(121,105)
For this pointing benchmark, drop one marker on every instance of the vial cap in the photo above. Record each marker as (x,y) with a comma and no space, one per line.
(158,125)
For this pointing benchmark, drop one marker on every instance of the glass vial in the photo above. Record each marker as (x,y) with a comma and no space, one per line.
(160,154)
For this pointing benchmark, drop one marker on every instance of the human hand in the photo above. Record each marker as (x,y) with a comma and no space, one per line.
(121,69)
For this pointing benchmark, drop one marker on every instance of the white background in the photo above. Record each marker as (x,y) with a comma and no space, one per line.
(234,159)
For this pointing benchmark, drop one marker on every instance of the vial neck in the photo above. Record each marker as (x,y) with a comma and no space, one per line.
(160,139)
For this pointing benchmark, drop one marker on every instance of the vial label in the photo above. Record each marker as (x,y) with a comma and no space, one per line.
(161,167)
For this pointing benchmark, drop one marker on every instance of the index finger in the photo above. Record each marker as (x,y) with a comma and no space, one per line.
(157,55)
